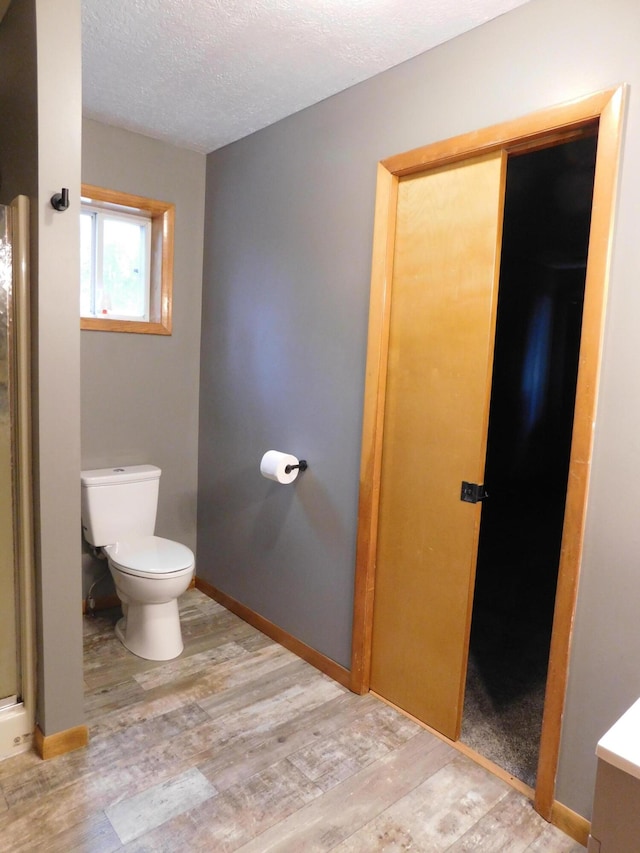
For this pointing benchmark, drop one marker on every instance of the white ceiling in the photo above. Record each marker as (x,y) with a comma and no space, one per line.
(203,73)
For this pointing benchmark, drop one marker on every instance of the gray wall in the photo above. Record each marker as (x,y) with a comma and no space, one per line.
(19,103)
(140,392)
(40,95)
(286,278)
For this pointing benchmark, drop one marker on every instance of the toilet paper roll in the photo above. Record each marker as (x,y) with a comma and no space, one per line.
(273,466)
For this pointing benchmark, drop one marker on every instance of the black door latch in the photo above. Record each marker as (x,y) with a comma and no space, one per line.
(471,493)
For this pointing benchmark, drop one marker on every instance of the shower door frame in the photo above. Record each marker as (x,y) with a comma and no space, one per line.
(17,721)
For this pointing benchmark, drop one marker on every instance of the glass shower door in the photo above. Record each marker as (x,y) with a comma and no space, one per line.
(9,668)
(17,612)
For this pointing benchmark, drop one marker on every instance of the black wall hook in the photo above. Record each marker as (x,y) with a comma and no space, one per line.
(302,465)
(60,201)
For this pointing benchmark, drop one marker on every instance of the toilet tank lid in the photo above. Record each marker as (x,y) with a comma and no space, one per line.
(125,474)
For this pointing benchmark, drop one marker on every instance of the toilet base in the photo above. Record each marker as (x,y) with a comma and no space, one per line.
(151,631)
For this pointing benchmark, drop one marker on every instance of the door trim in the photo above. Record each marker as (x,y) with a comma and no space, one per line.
(604,111)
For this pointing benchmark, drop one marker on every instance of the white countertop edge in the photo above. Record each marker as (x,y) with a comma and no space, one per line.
(620,746)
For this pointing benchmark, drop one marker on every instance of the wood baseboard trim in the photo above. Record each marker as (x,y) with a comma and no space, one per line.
(49,746)
(324,664)
(571,823)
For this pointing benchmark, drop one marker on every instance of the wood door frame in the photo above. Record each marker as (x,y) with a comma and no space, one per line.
(605,111)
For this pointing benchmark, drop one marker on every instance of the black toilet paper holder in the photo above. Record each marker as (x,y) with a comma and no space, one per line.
(302,465)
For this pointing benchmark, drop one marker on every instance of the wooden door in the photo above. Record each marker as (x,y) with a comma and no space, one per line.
(606,110)
(442,323)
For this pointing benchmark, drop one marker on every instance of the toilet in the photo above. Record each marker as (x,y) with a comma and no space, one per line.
(119,516)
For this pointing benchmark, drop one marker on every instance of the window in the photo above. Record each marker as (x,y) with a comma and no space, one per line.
(115,261)
(126,261)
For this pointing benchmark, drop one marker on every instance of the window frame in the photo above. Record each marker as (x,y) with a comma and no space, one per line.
(162,215)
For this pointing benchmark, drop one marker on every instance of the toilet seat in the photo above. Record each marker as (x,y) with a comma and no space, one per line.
(150,557)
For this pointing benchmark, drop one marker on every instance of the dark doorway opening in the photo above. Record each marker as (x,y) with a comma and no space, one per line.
(543,265)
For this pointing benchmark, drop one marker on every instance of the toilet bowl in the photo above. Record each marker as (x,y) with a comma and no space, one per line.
(118,516)
(149,574)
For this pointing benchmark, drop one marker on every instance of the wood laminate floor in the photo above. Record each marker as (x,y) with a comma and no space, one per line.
(240,745)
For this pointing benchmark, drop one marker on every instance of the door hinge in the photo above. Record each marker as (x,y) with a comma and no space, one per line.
(471,493)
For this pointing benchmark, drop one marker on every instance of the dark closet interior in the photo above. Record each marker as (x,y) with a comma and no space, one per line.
(542,277)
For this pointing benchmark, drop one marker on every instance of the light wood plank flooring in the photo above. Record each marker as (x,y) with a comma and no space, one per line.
(240,745)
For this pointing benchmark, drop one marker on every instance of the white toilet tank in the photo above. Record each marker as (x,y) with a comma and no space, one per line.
(119,502)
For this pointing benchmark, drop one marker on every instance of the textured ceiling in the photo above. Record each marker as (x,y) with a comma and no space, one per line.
(203,73)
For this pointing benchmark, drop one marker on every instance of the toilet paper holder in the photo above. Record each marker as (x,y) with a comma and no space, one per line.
(302,465)
(280,467)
